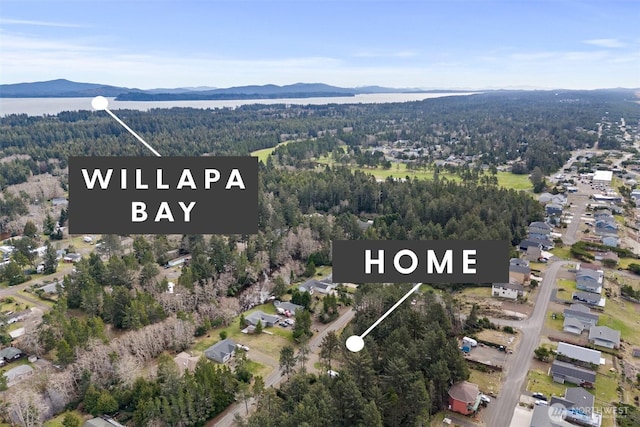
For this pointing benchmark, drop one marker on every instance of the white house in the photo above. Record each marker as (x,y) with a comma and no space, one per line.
(507,290)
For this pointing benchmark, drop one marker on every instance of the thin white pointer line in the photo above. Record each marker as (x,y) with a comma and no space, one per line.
(384,316)
(132,132)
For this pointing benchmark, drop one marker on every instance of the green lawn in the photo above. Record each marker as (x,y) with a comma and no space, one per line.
(264,154)
(399,170)
(551,323)
(57,421)
(605,390)
(488,382)
(540,382)
(623,316)
(562,253)
(482,292)
(513,181)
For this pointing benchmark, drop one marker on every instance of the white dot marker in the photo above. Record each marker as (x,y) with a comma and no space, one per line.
(100,103)
(355,343)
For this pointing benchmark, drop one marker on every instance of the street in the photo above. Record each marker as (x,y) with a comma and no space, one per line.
(500,411)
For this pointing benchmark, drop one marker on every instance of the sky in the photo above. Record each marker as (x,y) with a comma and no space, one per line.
(429,44)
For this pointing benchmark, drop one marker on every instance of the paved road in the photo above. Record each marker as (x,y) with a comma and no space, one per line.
(500,411)
(227,418)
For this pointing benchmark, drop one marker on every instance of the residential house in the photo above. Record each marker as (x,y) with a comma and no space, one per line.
(553,210)
(539,230)
(72,257)
(222,351)
(324,287)
(589,298)
(578,317)
(525,244)
(6,251)
(9,354)
(635,352)
(533,253)
(519,274)
(604,336)
(17,333)
(186,362)
(546,243)
(575,408)
(267,320)
(579,353)
(519,261)
(59,201)
(313,285)
(464,398)
(18,373)
(573,326)
(285,306)
(610,241)
(605,227)
(603,214)
(102,422)
(507,290)
(567,372)
(589,280)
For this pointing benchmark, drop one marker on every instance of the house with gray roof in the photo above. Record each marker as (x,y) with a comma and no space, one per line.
(103,421)
(313,285)
(519,261)
(582,354)
(267,320)
(222,351)
(575,408)
(9,354)
(18,373)
(567,372)
(589,280)
(573,326)
(539,228)
(578,317)
(610,241)
(553,209)
(604,336)
(287,306)
(519,273)
(589,298)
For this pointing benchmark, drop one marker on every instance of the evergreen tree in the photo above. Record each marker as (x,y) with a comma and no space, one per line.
(50,259)
(287,360)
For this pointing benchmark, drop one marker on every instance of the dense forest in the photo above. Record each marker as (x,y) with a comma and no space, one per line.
(400,378)
(540,128)
(113,316)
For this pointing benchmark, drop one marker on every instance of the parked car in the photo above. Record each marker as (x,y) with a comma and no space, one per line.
(539,396)
(542,403)
(485,398)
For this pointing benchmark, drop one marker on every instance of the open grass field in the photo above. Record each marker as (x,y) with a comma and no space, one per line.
(399,170)
(623,316)
(479,292)
(488,382)
(605,390)
(551,323)
(562,253)
(540,382)
(264,154)
(57,421)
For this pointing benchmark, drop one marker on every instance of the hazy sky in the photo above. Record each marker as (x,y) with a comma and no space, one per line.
(422,43)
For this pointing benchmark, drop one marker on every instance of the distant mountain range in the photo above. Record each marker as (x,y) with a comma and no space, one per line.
(62,88)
